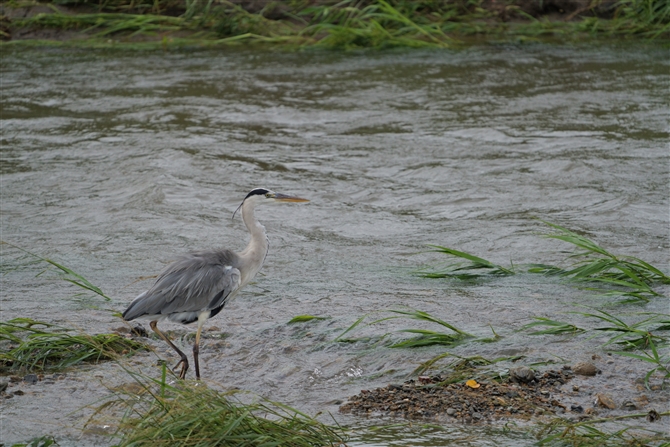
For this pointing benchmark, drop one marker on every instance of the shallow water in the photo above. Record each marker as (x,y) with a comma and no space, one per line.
(113,162)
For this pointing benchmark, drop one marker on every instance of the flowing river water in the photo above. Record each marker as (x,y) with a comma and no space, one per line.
(114,162)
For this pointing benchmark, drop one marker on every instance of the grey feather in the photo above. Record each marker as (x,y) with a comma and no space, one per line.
(190,284)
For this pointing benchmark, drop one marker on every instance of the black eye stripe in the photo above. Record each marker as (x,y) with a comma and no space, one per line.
(257,192)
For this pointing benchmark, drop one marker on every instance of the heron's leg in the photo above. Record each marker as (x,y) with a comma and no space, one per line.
(184,360)
(196,346)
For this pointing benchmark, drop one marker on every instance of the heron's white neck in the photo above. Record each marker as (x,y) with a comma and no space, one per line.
(254,254)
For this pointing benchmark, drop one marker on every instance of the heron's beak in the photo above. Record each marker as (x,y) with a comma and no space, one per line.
(284,198)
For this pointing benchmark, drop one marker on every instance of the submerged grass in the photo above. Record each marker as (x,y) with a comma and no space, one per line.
(592,267)
(461,367)
(305,319)
(192,414)
(553,327)
(424,337)
(635,335)
(625,275)
(563,432)
(471,268)
(43,346)
(640,340)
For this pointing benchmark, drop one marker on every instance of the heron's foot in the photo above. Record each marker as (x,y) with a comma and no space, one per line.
(184,367)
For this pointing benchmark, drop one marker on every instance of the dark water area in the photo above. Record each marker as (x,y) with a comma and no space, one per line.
(115,162)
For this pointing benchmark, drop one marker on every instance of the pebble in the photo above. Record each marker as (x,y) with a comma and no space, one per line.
(451,411)
(653,416)
(605,401)
(3,386)
(576,408)
(139,331)
(522,374)
(30,378)
(629,405)
(585,369)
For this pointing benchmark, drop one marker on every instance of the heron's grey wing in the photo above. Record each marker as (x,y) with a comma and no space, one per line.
(193,283)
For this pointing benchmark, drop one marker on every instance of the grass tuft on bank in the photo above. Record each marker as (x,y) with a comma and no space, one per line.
(192,414)
(29,345)
(332,24)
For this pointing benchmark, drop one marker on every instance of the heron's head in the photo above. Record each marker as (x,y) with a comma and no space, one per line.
(259,196)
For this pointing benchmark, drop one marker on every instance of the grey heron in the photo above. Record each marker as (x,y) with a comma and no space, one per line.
(197,285)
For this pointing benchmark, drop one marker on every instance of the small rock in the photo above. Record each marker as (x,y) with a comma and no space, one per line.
(15,379)
(522,374)
(603,400)
(575,388)
(585,369)
(139,331)
(629,405)
(19,393)
(499,401)
(30,378)
(576,408)
(653,416)
(451,412)
(3,386)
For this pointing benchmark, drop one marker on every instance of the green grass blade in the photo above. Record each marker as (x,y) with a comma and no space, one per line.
(304,319)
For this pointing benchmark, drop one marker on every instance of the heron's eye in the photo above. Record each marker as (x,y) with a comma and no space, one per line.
(268,195)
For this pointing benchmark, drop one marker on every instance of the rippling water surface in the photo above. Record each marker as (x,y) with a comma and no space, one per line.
(113,163)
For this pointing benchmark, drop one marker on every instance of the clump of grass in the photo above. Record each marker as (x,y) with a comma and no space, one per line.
(661,362)
(345,24)
(625,275)
(462,367)
(643,337)
(427,337)
(553,327)
(473,267)
(377,24)
(635,335)
(42,441)
(191,414)
(615,275)
(562,432)
(42,346)
(424,338)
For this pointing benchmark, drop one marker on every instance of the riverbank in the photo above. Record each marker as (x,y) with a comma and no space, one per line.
(349,24)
